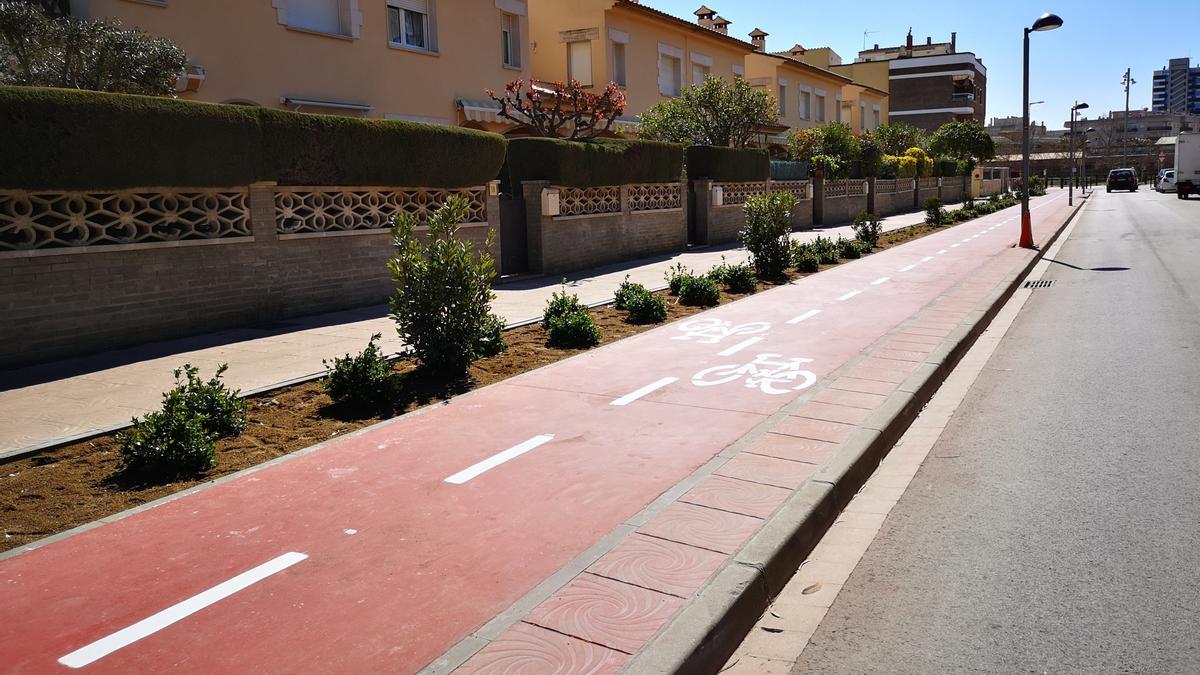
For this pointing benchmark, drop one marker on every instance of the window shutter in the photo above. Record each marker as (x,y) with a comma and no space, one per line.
(421,6)
(579,62)
(318,15)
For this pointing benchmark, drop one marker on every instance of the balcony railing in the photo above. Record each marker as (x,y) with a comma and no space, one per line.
(962,96)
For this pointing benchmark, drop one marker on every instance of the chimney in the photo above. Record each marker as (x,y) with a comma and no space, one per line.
(909,43)
(928,41)
(758,38)
(797,50)
(704,16)
(721,25)
(876,46)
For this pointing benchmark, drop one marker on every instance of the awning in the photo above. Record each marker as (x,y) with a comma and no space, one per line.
(627,125)
(777,139)
(482,111)
(314,103)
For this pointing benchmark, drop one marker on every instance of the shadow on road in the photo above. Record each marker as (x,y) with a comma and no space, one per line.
(1088,269)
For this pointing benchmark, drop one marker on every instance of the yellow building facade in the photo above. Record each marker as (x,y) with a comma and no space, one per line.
(419,60)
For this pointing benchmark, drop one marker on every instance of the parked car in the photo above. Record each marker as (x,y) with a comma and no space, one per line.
(1122,179)
(1166,181)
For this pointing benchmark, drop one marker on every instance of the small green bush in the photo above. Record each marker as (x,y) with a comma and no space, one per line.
(646,307)
(969,203)
(491,337)
(443,297)
(807,262)
(864,248)
(765,234)
(867,228)
(675,275)
(934,213)
(365,379)
(699,292)
(1037,186)
(568,322)
(848,249)
(624,292)
(178,439)
(827,251)
(733,165)
(736,278)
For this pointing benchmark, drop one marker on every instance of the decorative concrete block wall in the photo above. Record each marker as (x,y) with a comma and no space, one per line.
(842,201)
(720,206)
(891,196)
(576,228)
(84,272)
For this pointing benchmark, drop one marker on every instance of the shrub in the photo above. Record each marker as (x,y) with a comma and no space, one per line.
(934,213)
(727,164)
(1037,186)
(807,261)
(592,163)
(178,438)
(848,249)
(624,292)
(699,292)
(765,235)
(675,275)
(864,248)
(443,290)
(67,139)
(365,379)
(922,162)
(569,322)
(867,228)
(646,307)
(491,337)
(826,250)
(736,278)
(969,203)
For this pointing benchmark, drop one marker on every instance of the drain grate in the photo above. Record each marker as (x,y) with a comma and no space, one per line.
(1039,283)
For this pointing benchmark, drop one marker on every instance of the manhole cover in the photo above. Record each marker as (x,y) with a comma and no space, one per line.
(1039,283)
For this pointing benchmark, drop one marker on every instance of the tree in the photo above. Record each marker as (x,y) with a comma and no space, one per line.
(54,8)
(565,107)
(37,50)
(894,139)
(714,113)
(963,141)
(830,148)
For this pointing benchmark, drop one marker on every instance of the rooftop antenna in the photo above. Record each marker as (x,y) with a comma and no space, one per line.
(865,34)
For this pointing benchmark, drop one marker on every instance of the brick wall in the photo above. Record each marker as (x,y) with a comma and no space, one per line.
(66,302)
(720,224)
(841,210)
(562,244)
(952,190)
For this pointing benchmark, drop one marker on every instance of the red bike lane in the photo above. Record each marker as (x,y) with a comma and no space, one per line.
(381,550)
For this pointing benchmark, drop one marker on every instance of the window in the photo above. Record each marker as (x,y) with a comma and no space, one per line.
(579,62)
(782,100)
(510,39)
(875,124)
(323,16)
(699,72)
(862,116)
(820,107)
(805,105)
(619,64)
(837,110)
(409,24)
(670,74)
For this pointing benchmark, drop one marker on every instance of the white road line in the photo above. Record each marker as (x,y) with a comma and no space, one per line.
(881,280)
(739,347)
(908,268)
(152,624)
(927,258)
(498,459)
(805,316)
(849,295)
(955,245)
(942,251)
(631,397)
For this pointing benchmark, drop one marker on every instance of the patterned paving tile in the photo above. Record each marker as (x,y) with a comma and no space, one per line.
(782,473)
(889,364)
(793,448)
(607,612)
(932,340)
(865,386)
(531,650)
(904,345)
(879,374)
(658,564)
(738,496)
(699,526)
(832,413)
(901,354)
(852,399)
(818,430)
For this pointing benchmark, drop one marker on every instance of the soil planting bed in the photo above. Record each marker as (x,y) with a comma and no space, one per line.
(59,489)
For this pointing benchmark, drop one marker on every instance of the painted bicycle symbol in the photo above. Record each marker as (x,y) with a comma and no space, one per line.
(712,331)
(766,371)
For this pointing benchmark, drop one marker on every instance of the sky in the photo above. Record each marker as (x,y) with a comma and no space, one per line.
(1084,60)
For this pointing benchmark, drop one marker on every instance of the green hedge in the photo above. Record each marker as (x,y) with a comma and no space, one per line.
(69,139)
(592,163)
(946,167)
(728,164)
(782,169)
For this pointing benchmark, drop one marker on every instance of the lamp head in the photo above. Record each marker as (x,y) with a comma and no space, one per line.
(1079,106)
(1047,21)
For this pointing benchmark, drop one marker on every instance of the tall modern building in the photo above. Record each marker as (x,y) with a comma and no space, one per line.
(1177,88)
(932,83)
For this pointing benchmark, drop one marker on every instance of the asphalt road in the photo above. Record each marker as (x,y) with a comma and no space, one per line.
(1055,526)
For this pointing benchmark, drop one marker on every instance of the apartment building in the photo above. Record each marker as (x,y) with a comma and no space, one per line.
(652,55)
(933,83)
(1177,88)
(421,60)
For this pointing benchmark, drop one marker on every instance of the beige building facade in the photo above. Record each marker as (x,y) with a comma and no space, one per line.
(418,60)
(865,98)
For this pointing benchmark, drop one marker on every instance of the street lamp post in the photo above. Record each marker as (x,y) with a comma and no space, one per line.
(1071,187)
(1127,80)
(1043,23)
(1083,170)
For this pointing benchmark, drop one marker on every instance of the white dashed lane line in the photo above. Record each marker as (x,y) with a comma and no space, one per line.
(805,316)
(849,295)
(509,454)
(881,280)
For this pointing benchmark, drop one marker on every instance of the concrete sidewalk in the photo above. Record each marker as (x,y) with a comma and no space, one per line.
(53,403)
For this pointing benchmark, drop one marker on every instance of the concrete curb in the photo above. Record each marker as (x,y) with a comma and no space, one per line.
(702,636)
